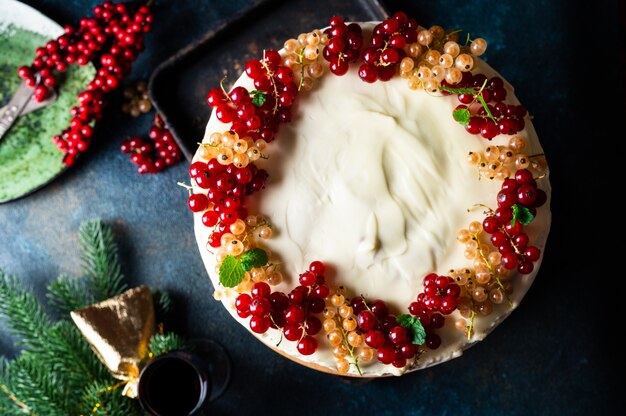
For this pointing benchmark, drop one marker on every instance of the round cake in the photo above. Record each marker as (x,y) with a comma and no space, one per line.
(372,199)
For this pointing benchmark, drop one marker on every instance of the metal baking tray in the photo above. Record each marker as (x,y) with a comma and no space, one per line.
(178,86)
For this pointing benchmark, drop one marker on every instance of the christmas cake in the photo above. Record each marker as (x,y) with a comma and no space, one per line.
(372,199)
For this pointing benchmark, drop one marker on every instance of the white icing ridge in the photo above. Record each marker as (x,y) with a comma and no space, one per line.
(372,179)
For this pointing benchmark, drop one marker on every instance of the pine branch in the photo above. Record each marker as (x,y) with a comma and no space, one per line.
(59,347)
(162,343)
(10,405)
(99,399)
(68,354)
(24,315)
(38,387)
(68,294)
(162,304)
(100,260)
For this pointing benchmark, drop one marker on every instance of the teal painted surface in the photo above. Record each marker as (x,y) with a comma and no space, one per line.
(554,355)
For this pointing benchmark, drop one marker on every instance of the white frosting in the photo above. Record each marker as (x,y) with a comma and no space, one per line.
(372,179)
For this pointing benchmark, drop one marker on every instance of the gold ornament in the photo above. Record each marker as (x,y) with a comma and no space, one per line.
(119,330)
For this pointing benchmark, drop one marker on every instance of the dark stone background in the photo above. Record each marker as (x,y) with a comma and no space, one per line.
(557,354)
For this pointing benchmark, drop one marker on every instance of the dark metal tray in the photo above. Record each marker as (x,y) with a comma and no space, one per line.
(179,85)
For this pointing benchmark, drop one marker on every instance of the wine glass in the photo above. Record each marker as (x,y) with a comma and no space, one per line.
(184,382)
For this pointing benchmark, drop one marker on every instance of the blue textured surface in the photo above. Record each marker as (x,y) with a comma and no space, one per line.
(554,355)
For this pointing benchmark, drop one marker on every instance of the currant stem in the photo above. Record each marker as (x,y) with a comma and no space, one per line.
(189,188)
(470,327)
(350,349)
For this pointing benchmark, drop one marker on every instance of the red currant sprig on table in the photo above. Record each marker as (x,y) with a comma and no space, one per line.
(154,155)
(293,313)
(387,47)
(344,45)
(112,38)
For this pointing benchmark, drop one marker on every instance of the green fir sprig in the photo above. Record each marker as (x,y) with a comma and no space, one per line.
(57,373)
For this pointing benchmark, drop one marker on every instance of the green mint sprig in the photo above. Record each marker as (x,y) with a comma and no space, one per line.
(521,214)
(258,97)
(233,269)
(462,115)
(414,326)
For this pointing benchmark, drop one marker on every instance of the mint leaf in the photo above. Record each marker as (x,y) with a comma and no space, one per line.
(231,272)
(486,107)
(462,115)
(469,91)
(258,97)
(521,214)
(414,326)
(253,258)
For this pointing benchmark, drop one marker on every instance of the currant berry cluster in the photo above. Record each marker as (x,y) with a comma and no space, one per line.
(501,161)
(382,332)
(484,286)
(436,58)
(116,36)
(293,313)
(343,334)
(303,56)
(507,235)
(156,153)
(344,45)
(439,297)
(498,117)
(258,119)
(136,99)
(227,186)
(387,47)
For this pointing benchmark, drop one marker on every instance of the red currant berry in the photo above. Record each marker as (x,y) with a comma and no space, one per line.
(386,354)
(317,267)
(408,351)
(278,301)
(368,73)
(215,239)
(261,290)
(525,267)
(196,168)
(374,338)
(260,324)
(210,218)
(260,306)
(307,345)
(532,253)
(398,335)
(437,320)
(491,224)
(242,303)
(239,95)
(316,304)
(509,260)
(197,202)
(313,325)
(293,332)
(294,314)
(489,130)
(307,279)
(433,341)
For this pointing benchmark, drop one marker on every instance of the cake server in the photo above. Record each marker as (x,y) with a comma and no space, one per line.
(21,103)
